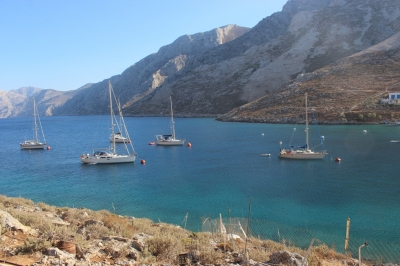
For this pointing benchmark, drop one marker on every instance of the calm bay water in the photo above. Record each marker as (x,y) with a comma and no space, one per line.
(221,170)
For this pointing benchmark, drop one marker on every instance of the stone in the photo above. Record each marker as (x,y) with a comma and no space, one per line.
(93,222)
(286,257)
(6,220)
(138,245)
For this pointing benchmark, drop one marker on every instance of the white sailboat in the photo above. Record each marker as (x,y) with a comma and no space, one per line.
(169,140)
(35,143)
(110,155)
(118,137)
(303,152)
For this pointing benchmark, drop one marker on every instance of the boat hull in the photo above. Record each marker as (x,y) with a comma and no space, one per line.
(175,142)
(302,155)
(91,159)
(32,145)
(120,140)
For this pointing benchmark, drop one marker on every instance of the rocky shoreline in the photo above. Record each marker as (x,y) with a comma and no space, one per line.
(294,122)
(39,234)
(223,118)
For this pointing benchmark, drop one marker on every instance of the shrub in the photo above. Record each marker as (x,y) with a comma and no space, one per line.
(97,231)
(32,245)
(324,252)
(119,225)
(46,207)
(165,247)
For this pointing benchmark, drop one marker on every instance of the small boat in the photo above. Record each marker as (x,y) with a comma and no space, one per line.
(110,155)
(169,139)
(337,159)
(302,152)
(119,138)
(265,154)
(35,143)
(152,143)
(395,140)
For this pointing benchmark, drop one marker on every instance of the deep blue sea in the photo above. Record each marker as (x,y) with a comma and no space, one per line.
(222,170)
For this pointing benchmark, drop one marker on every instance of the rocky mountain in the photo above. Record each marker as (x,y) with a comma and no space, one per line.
(317,36)
(147,75)
(19,102)
(347,91)
(214,72)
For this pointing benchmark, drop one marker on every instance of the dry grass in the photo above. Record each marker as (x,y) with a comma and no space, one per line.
(163,246)
(119,225)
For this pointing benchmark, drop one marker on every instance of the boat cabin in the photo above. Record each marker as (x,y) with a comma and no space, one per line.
(102,154)
(166,137)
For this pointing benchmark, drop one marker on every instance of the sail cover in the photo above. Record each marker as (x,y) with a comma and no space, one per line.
(299,147)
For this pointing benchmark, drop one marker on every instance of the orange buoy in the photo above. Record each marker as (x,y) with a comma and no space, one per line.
(142,161)
(189,144)
(337,159)
(48,147)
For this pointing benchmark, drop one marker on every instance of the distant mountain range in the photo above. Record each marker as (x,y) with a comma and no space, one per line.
(344,53)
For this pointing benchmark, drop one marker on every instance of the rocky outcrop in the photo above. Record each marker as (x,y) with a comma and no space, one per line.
(7,221)
(287,258)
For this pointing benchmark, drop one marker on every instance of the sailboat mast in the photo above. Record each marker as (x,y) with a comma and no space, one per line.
(306,123)
(34,119)
(111,117)
(172,119)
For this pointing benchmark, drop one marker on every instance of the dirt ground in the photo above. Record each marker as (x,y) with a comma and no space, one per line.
(14,239)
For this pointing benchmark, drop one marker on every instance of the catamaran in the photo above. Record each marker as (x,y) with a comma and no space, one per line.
(110,155)
(35,143)
(169,139)
(303,152)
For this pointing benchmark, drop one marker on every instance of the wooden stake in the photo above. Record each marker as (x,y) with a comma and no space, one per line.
(346,243)
(248,228)
(308,252)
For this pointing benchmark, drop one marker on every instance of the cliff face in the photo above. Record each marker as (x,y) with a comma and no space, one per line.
(151,73)
(214,72)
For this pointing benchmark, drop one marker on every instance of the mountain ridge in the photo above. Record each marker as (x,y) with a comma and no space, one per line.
(215,72)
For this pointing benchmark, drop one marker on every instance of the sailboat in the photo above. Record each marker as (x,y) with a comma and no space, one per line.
(303,152)
(35,144)
(118,137)
(110,155)
(169,140)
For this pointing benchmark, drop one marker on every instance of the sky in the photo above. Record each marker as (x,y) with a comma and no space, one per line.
(65,44)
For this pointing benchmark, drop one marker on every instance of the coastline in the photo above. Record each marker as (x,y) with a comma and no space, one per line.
(291,121)
(222,118)
(42,234)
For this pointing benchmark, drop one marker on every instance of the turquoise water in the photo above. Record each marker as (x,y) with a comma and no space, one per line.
(223,169)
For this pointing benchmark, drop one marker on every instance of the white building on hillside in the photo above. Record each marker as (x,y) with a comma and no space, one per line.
(394,98)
